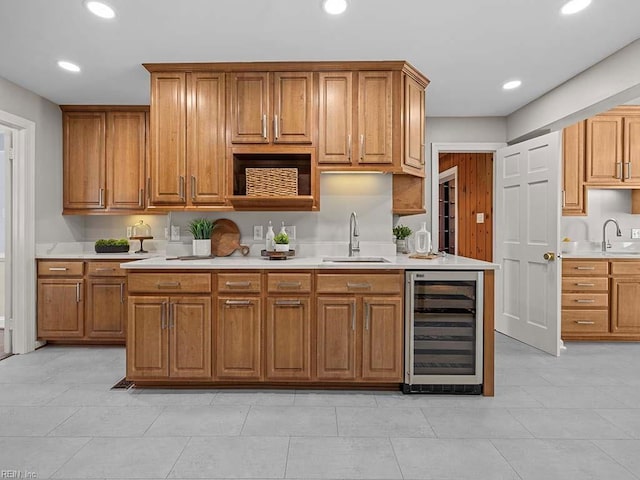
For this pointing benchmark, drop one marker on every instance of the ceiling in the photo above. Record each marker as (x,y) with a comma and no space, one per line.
(468,48)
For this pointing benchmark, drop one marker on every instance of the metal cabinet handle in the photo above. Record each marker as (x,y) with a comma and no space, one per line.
(564,198)
(358,285)
(193,187)
(149,189)
(628,175)
(238,302)
(619,167)
(349,146)
(288,303)
(168,284)
(362,146)
(366,315)
(585,300)
(181,187)
(101,197)
(58,269)
(585,284)
(140,197)
(585,268)
(78,292)
(422,154)
(289,284)
(585,322)
(276,127)
(105,269)
(163,316)
(172,307)
(238,284)
(353,316)
(122,293)
(264,126)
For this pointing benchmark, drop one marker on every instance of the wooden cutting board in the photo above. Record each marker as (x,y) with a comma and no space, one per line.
(225,238)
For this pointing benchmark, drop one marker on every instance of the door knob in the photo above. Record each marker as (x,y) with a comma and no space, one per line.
(549,256)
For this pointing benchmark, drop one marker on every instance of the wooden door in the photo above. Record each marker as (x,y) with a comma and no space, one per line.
(126,160)
(106,309)
(190,337)
(238,338)
(167,163)
(382,339)
(249,102)
(573,159)
(625,305)
(293,112)
(206,138)
(84,160)
(335,127)
(60,308)
(413,124)
(375,118)
(604,150)
(336,338)
(632,150)
(288,338)
(147,338)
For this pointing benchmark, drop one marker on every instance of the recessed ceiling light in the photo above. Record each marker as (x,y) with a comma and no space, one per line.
(334,7)
(574,6)
(71,67)
(100,9)
(510,85)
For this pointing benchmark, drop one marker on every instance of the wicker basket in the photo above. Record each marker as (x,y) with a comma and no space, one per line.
(272,182)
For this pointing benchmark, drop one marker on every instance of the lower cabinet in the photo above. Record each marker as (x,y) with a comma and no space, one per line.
(60,308)
(382,339)
(336,338)
(625,305)
(106,308)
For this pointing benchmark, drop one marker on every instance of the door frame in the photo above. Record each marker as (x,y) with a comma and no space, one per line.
(447,176)
(21,313)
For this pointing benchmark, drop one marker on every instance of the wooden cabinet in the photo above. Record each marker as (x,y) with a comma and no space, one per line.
(148,338)
(374,140)
(414,124)
(573,161)
(104,159)
(382,339)
(106,308)
(335,124)
(60,308)
(336,338)
(632,148)
(625,297)
(187,138)
(275,107)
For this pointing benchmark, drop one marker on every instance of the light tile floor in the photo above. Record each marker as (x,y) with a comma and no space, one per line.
(573,417)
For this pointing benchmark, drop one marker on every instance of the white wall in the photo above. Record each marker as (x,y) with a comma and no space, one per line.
(51,226)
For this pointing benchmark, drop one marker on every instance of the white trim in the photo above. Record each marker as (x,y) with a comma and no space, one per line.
(447,176)
(22,256)
(436,150)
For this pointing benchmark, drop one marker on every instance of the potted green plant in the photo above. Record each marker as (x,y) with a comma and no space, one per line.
(112,245)
(201,229)
(281,241)
(402,232)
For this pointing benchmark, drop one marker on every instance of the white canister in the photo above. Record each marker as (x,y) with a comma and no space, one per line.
(202,248)
(423,239)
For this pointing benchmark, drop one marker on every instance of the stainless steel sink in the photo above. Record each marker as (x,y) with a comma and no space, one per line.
(356,260)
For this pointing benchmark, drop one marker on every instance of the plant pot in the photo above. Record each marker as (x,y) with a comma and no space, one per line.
(112,248)
(282,247)
(402,246)
(202,248)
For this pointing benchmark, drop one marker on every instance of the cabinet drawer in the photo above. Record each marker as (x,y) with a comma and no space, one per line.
(169,282)
(586,267)
(288,282)
(625,268)
(239,282)
(586,299)
(60,268)
(582,284)
(585,321)
(358,283)
(105,269)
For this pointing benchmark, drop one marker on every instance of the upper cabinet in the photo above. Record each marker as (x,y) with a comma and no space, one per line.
(573,156)
(104,159)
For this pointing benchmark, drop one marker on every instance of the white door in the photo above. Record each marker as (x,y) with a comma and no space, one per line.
(527,242)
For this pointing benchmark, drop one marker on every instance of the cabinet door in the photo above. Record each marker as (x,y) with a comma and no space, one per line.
(335,126)
(167,170)
(190,337)
(382,339)
(413,124)
(625,305)
(106,310)
(147,338)
(238,337)
(84,160)
(573,142)
(293,107)
(375,118)
(126,159)
(632,150)
(604,150)
(249,107)
(206,138)
(288,340)
(60,308)
(336,338)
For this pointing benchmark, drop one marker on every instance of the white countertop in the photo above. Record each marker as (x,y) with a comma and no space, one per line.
(604,256)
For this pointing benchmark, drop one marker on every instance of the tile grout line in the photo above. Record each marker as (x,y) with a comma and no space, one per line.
(490,440)
(393,450)
(286,461)
(508,410)
(613,459)
(179,455)
(244,422)
(63,421)
(90,439)
(154,420)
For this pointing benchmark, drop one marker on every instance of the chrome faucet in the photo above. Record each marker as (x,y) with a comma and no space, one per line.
(605,242)
(354,233)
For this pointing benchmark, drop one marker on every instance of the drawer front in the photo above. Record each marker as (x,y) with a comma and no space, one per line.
(239,282)
(358,283)
(586,267)
(582,284)
(625,268)
(585,321)
(105,269)
(587,300)
(60,268)
(289,282)
(169,282)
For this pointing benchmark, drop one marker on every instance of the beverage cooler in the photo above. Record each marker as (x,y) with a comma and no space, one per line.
(443,332)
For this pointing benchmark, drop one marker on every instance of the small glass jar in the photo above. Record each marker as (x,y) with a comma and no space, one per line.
(423,239)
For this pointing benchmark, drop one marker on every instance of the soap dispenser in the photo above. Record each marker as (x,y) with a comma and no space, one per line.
(270,244)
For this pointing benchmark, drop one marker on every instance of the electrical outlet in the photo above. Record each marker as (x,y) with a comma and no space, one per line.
(257,232)
(635,233)
(291,231)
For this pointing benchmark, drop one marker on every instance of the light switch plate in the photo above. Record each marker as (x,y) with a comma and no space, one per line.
(635,233)
(480,218)
(291,231)
(175,233)
(257,232)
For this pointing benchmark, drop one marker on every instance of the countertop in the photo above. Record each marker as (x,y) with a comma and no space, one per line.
(603,256)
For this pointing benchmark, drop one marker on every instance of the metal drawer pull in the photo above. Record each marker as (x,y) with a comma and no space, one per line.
(238,284)
(289,284)
(58,269)
(276,129)
(101,197)
(585,284)
(349,146)
(168,284)
(77,292)
(288,303)
(122,293)
(628,176)
(105,269)
(353,316)
(238,302)
(358,285)
(163,316)
(181,187)
(585,322)
(585,300)
(362,147)
(193,187)
(366,316)
(140,197)
(619,167)
(264,126)
(172,307)
(585,268)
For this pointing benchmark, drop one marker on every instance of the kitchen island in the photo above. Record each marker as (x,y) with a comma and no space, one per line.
(302,322)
